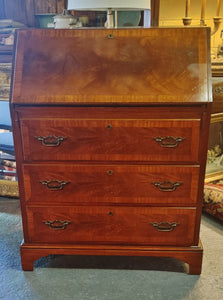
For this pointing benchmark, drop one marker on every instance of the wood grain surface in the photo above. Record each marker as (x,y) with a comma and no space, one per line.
(95,66)
(103,184)
(111,132)
(111,140)
(109,225)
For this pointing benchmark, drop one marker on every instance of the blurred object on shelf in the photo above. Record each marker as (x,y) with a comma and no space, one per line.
(66,20)
(7,31)
(43,20)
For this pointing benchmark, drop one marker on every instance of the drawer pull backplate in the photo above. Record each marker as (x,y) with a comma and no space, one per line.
(167,186)
(54,185)
(164,226)
(51,140)
(57,224)
(169,141)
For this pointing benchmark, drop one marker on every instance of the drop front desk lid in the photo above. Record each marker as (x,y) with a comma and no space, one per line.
(93,66)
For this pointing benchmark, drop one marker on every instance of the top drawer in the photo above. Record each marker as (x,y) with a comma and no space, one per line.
(110,140)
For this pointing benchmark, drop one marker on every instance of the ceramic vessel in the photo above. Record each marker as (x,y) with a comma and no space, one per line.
(65,20)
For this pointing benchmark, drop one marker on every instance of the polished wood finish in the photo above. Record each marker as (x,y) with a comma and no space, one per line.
(121,184)
(100,66)
(192,256)
(111,225)
(111,139)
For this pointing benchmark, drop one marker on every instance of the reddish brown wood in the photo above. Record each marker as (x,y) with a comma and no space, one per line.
(108,187)
(111,225)
(123,184)
(165,111)
(192,256)
(111,140)
(93,68)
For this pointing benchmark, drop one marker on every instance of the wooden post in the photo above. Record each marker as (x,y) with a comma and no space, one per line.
(187,20)
(155,5)
(187,8)
(203,4)
(218,8)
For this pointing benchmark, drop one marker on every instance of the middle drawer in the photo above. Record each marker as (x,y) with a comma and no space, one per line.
(101,184)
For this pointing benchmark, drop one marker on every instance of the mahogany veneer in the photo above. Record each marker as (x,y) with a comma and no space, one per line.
(111,131)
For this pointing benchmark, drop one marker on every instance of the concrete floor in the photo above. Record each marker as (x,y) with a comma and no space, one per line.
(106,278)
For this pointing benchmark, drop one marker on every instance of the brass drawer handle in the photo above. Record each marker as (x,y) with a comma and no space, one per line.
(164,226)
(57,224)
(167,186)
(51,140)
(168,141)
(54,185)
(218,90)
(110,172)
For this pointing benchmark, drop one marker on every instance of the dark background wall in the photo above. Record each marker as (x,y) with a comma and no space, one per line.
(24,10)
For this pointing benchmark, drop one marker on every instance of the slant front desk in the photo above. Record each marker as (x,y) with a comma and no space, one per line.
(111,129)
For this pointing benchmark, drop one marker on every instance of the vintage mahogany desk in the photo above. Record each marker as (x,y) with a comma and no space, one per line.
(111,131)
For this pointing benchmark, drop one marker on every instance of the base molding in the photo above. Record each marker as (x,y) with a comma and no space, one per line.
(190,255)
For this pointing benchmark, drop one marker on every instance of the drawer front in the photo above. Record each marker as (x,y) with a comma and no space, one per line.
(65,183)
(110,140)
(111,225)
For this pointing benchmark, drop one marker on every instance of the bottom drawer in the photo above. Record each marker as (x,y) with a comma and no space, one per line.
(111,225)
